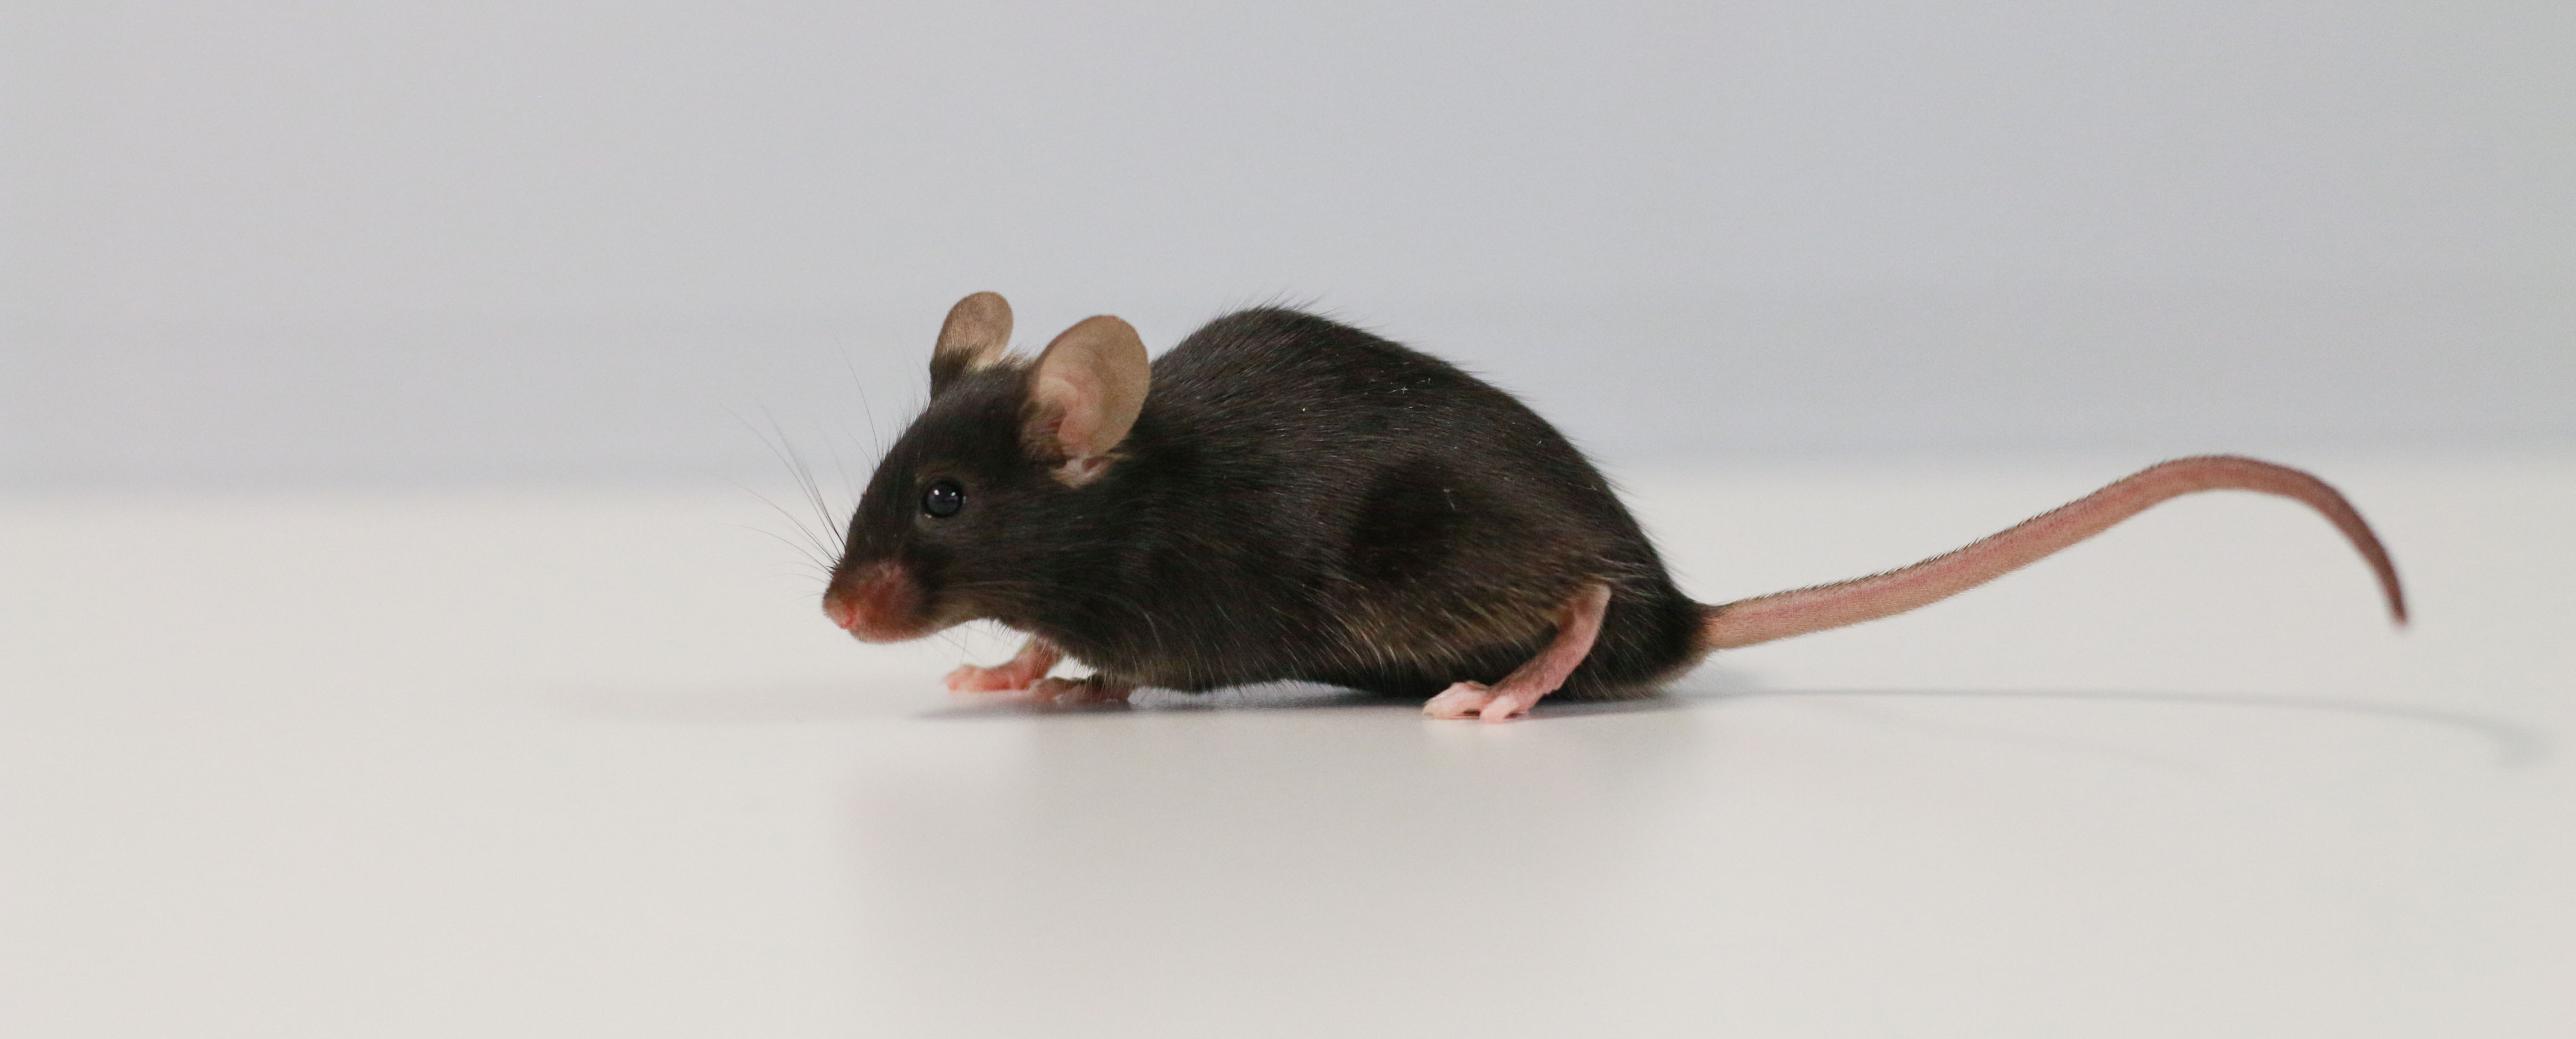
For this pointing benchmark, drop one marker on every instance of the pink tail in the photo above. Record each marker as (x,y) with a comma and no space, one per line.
(1782,614)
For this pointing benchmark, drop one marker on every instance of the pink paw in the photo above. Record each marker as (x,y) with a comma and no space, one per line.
(1006,678)
(1077,692)
(1477,700)
(1050,692)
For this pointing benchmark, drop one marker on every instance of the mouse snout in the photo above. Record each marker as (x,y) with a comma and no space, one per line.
(879,602)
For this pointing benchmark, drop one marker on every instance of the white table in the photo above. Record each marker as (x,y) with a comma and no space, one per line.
(562,762)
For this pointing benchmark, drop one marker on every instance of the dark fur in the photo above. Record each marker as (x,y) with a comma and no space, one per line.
(1298,500)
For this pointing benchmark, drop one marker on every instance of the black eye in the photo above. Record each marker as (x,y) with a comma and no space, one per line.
(943,499)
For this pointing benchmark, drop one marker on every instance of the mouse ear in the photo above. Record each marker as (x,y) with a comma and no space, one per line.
(978,327)
(1084,394)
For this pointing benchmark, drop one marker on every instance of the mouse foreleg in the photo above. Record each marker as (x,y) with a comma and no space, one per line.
(1031,664)
(1024,677)
(1578,623)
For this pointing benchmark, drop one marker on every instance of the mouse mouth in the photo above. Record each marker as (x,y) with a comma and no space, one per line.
(880,602)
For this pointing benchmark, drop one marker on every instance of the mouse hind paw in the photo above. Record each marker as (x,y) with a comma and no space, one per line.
(1578,624)
(1465,700)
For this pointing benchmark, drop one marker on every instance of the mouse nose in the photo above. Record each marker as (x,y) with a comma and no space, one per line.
(843,612)
(876,603)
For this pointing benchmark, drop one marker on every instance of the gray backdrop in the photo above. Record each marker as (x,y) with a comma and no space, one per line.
(265,243)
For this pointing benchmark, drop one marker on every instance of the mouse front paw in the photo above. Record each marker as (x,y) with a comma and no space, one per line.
(1006,678)
(1033,661)
(1051,693)
(1078,692)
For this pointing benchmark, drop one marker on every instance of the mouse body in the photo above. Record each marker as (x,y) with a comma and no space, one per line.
(1285,497)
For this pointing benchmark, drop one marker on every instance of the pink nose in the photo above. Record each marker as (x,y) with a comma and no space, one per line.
(842,611)
(877,603)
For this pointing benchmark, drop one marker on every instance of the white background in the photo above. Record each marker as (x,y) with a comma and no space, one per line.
(265,243)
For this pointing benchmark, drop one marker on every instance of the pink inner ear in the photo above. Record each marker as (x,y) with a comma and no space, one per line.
(1077,409)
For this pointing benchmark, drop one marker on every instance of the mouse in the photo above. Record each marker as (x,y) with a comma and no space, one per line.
(1285,497)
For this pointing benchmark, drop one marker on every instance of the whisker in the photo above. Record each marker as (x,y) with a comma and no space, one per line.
(804,477)
(876,433)
(814,549)
(805,485)
(804,473)
(821,566)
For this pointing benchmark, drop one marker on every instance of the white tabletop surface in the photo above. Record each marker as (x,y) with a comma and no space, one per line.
(550,762)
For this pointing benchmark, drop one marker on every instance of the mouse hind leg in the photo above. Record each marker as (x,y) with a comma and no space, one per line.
(1578,624)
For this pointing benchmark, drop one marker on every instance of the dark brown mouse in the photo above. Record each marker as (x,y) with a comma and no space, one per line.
(1282,497)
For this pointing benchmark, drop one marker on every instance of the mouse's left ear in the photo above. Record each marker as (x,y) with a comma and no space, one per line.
(977,330)
(1084,393)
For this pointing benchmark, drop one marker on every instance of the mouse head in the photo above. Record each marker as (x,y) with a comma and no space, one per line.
(996,483)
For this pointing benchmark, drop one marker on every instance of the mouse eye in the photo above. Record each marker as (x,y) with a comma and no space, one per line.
(943,499)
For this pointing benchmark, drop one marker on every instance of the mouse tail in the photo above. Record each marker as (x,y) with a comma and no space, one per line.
(1780,615)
